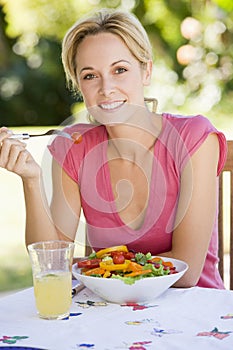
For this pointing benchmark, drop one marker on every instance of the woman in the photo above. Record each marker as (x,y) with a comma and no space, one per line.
(142,179)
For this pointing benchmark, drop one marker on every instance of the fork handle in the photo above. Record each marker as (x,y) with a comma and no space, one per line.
(23,136)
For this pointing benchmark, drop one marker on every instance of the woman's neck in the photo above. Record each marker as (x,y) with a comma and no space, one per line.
(134,140)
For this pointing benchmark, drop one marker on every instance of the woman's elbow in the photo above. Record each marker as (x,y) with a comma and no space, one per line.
(188,280)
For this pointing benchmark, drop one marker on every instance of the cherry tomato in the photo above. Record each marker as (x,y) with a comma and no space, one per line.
(90,263)
(107,251)
(129,255)
(116,253)
(77,137)
(173,270)
(118,259)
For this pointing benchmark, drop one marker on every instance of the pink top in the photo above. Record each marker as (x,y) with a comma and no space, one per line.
(86,163)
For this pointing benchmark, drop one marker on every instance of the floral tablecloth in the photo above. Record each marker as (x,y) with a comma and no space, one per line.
(180,319)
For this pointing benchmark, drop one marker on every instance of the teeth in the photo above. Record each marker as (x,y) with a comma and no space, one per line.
(111,105)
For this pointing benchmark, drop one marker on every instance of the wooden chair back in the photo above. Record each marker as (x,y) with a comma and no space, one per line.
(225,220)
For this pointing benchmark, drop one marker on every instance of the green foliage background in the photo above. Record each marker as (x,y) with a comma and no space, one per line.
(32,83)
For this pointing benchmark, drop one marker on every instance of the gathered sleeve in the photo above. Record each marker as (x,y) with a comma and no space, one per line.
(190,133)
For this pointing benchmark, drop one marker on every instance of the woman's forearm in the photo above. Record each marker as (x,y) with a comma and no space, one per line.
(39,223)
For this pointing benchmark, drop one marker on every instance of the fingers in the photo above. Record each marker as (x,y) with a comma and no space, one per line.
(15,158)
(5,133)
(19,166)
(3,128)
(9,153)
(17,152)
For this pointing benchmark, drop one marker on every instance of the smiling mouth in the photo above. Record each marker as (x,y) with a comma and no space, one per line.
(111,106)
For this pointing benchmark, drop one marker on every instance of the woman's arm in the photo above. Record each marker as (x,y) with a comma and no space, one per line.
(65,204)
(39,224)
(42,223)
(60,221)
(196,210)
(15,158)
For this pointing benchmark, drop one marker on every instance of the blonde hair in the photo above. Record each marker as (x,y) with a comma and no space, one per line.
(120,23)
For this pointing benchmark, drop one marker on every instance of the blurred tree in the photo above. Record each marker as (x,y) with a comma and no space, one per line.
(32,87)
(193,47)
(192,42)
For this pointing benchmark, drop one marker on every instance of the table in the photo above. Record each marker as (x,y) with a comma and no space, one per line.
(180,319)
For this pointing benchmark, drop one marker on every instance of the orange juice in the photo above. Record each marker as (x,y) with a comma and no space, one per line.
(53,294)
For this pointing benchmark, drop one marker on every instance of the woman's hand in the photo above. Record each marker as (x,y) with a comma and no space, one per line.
(15,158)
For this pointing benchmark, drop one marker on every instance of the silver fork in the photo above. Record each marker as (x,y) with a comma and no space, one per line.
(25,136)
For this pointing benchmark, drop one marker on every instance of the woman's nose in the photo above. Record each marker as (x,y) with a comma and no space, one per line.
(106,87)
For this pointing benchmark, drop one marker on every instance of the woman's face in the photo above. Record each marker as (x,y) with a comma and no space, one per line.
(110,78)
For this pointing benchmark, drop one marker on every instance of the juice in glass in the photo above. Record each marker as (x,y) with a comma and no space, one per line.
(52,277)
(53,294)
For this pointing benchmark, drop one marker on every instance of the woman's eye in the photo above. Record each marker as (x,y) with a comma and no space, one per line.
(121,70)
(89,76)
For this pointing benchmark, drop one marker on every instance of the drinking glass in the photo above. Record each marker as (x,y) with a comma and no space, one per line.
(52,277)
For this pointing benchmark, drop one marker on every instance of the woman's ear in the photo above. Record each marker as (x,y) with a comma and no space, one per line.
(147,72)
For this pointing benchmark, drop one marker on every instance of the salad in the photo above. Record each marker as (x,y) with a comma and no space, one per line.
(119,262)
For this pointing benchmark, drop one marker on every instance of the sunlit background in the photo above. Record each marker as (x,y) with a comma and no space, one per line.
(193,69)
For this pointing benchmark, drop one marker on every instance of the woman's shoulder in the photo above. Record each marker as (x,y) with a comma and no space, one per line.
(188,126)
(179,120)
(191,132)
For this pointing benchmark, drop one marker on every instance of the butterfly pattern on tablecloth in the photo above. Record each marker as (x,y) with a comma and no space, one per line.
(159,332)
(137,345)
(12,339)
(72,314)
(215,333)
(137,306)
(227,317)
(143,321)
(90,303)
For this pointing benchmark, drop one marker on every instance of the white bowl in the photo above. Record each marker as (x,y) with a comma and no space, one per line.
(144,290)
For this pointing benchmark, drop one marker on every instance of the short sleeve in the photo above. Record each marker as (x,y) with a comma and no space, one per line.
(190,133)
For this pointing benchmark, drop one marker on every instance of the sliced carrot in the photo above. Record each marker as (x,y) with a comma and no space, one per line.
(138,273)
(107,274)
(95,271)
(167,263)
(157,260)
(133,266)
